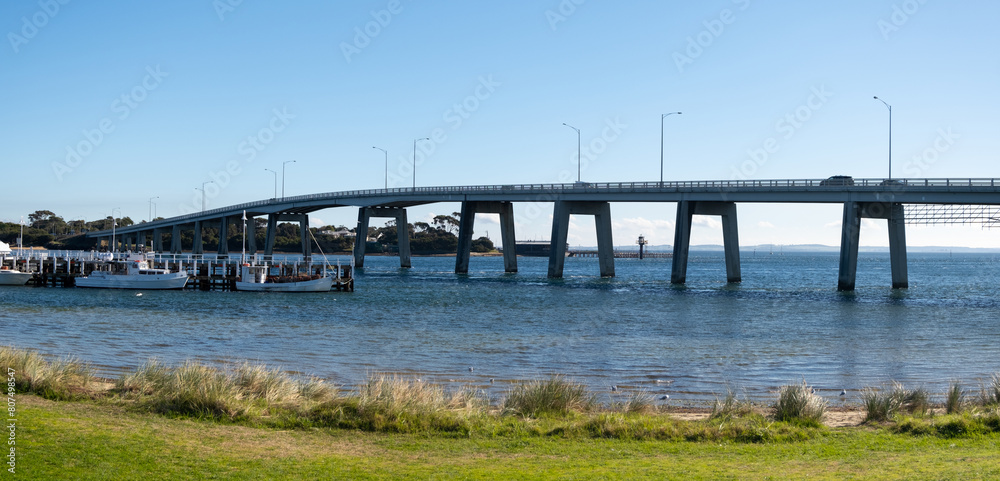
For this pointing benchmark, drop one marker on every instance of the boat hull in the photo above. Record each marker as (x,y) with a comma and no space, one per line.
(323,284)
(175,280)
(14,278)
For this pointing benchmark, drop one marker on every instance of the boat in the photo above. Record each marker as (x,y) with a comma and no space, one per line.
(11,276)
(256,278)
(137,274)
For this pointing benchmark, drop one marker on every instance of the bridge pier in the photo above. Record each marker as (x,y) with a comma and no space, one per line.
(198,246)
(175,239)
(223,236)
(158,239)
(686,210)
(250,230)
(402,233)
(272,232)
(851,234)
(465,230)
(560,231)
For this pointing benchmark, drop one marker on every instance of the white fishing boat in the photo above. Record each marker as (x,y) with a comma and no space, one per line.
(11,276)
(256,278)
(137,274)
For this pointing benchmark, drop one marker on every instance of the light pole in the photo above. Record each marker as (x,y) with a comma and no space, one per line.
(578,145)
(275,182)
(151,204)
(890,134)
(114,223)
(661,142)
(386,152)
(283,177)
(202,189)
(415,160)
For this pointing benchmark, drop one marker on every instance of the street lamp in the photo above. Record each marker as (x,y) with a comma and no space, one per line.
(578,144)
(386,152)
(890,134)
(275,182)
(151,204)
(415,160)
(203,184)
(661,142)
(283,177)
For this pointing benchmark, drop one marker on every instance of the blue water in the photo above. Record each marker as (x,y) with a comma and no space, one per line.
(784,323)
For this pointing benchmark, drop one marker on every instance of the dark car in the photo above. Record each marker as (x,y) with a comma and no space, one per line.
(838,180)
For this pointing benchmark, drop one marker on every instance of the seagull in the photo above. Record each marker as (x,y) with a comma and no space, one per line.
(843,392)
(614,388)
(138,294)
(491,380)
(812,390)
(664,397)
(471,369)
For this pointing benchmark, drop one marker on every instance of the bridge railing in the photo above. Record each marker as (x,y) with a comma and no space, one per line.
(582,187)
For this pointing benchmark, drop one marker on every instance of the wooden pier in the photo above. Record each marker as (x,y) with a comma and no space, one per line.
(205,274)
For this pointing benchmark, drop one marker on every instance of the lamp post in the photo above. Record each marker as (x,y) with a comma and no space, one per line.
(415,160)
(151,204)
(661,142)
(578,148)
(203,184)
(275,182)
(890,134)
(283,177)
(386,152)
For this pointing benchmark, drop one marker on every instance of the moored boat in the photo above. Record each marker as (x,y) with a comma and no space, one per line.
(11,276)
(256,278)
(137,274)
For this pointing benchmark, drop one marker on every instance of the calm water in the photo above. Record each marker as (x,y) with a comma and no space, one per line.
(784,323)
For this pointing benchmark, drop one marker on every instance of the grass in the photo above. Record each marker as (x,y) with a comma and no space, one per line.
(553,396)
(797,403)
(91,441)
(892,399)
(955,398)
(63,379)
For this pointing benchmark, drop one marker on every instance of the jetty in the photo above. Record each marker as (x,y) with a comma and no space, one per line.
(206,272)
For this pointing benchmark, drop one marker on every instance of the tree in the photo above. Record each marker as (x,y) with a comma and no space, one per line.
(483,244)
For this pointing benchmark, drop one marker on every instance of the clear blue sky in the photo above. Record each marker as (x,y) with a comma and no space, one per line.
(200,78)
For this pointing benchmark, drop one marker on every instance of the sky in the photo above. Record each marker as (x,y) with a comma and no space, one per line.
(122,107)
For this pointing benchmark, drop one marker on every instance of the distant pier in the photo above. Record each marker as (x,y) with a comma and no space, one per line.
(218,273)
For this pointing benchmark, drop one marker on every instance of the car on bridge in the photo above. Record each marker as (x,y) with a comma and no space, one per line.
(838,180)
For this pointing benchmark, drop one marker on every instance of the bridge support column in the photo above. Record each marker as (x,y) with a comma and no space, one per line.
(686,210)
(465,232)
(897,246)
(198,246)
(223,236)
(361,237)
(250,230)
(402,233)
(272,228)
(851,234)
(158,239)
(175,239)
(140,239)
(306,237)
(560,231)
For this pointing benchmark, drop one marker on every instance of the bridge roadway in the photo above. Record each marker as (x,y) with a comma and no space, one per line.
(861,198)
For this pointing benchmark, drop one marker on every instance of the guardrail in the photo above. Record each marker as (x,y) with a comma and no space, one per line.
(669,186)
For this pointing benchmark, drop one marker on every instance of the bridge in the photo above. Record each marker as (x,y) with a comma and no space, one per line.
(861,198)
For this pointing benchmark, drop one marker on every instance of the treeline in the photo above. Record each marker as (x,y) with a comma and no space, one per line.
(46,229)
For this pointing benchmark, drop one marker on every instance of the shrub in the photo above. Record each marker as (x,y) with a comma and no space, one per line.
(882,404)
(33,373)
(730,407)
(954,399)
(989,394)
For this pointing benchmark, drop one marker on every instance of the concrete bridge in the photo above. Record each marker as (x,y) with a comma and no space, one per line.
(861,198)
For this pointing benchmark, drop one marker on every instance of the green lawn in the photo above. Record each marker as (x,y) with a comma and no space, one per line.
(88,440)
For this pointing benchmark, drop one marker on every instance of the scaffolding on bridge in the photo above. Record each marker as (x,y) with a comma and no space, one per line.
(986,215)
